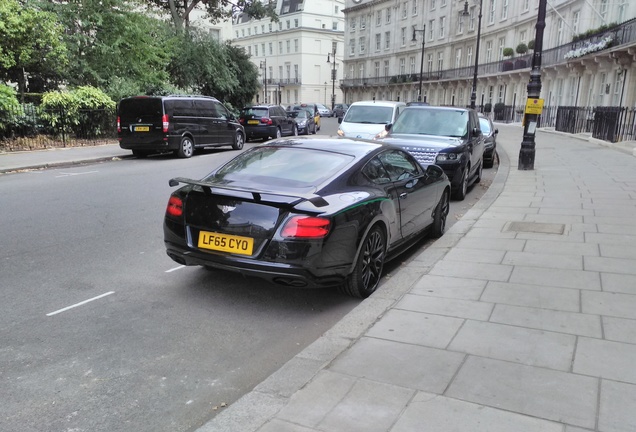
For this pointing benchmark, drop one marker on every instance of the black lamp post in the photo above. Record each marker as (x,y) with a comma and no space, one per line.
(527,151)
(333,76)
(423,31)
(473,93)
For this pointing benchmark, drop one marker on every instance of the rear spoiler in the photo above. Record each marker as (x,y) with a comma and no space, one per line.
(210,188)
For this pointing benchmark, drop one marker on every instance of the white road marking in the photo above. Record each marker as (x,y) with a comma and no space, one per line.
(75,174)
(80,303)
(176,268)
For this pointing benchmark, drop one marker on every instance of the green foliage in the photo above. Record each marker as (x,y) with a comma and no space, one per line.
(508,52)
(31,43)
(488,107)
(521,48)
(531,44)
(246,73)
(9,108)
(76,111)
(594,32)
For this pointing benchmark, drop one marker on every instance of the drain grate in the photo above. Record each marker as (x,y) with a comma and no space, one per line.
(535,227)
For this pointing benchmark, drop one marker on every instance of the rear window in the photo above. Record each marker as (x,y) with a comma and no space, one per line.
(283,167)
(146,109)
(255,112)
(369,114)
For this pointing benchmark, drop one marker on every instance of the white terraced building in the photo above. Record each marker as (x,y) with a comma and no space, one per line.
(295,55)
(383,60)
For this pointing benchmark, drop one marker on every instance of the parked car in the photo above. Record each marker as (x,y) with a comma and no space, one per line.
(339,110)
(266,121)
(312,108)
(304,121)
(306,212)
(366,119)
(447,136)
(490,140)
(181,124)
(324,111)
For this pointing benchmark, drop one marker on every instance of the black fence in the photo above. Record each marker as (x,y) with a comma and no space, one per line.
(31,127)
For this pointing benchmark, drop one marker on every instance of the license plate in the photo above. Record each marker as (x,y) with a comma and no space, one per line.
(142,128)
(253,122)
(226,243)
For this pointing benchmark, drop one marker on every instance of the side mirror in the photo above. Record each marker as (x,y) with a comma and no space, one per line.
(496,131)
(388,126)
(476,132)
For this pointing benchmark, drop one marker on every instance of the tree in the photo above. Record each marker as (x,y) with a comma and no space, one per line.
(113,46)
(247,75)
(31,44)
(217,10)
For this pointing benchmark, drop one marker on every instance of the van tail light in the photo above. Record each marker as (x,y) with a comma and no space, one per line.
(165,123)
(306,227)
(242,120)
(267,121)
(175,206)
(118,124)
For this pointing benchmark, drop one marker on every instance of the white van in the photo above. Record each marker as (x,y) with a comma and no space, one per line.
(366,119)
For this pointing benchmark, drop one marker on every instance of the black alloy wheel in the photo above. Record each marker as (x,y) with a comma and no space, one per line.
(368,270)
(460,193)
(239,141)
(441,214)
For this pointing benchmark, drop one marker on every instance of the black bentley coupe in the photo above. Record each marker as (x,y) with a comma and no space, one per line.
(308,212)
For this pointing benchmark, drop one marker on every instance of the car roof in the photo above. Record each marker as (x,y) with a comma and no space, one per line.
(436,108)
(355,147)
(378,103)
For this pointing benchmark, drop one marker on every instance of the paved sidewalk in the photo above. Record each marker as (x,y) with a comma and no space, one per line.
(38,159)
(522,318)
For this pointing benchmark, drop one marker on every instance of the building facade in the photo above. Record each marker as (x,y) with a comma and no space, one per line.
(296,55)
(394,48)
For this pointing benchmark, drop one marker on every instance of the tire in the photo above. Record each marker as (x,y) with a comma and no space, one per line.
(479,172)
(278,134)
(306,131)
(491,162)
(368,269)
(440,215)
(186,147)
(294,131)
(313,131)
(460,193)
(239,141)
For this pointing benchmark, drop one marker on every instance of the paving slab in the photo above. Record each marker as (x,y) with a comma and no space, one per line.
(617,407)
(605,359)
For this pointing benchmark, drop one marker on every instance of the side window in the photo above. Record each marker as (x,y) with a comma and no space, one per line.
(183,108)
(399,165)
(375,172)
(221,111)
(204,108)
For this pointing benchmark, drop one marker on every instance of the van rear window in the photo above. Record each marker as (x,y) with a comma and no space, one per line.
(146,109)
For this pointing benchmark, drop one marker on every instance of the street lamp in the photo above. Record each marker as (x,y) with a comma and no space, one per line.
(333,75)
(423,31)
(264,67)
(527,151)
(473,94)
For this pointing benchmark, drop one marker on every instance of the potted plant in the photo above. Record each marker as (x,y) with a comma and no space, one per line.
(499,110)
(531,44)
(488,108)
(521,49)
(507,65)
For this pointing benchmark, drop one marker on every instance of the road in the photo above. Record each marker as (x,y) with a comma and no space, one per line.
(101,331)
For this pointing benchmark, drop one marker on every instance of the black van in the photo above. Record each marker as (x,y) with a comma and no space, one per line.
(155,124)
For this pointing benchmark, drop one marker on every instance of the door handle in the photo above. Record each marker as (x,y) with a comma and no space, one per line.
(403,195)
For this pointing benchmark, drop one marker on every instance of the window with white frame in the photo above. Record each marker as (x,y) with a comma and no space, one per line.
(460,23)
(363,22)
(442,3)
(295,95)
(352,71)
(440,60)
(576,18)
(387,70)
(559,91)
(415,2)
(618,86)
(296,23)
(405,8)
(256,50)
(387,40)
(523,35)
(403,36)
(433,4)
(458,58)
(352,23)
(442,27)
(572,91)
(412,65)
(602,9)
(492,11)
(334,25)
(288,24)
(280,72)
(270,27)
(429,62)
(296,45)
(402,66)
(526,5)
(431,29)
(249,50)
(622,9)
(501,93)
(377,69)
(288,43)
(502,45)
(361,71)
(559,35)
(469,56)
(378,42)
(388,15)
(488,51)
(471,21)
(362,44)
(263,48)
(280,47)
(378,18)
(352,46)
(504,9)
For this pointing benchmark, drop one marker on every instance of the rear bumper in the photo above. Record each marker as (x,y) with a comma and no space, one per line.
(161,143)
(260,132)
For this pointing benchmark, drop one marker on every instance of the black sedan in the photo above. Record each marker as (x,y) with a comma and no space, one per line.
(307,212)
(490,140)
(305,123)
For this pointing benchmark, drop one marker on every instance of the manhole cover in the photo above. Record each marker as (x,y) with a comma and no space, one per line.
(535,227)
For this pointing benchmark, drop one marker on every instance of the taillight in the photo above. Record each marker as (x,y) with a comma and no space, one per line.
(242,121)
(306,227)
(267,121)
(165,122)
(118,124)
(175,206)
